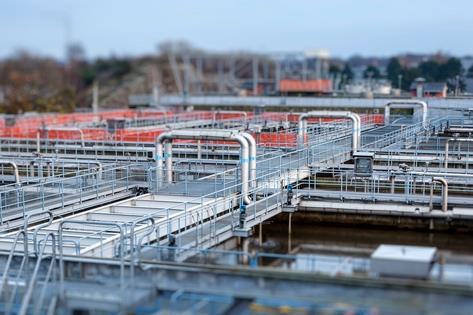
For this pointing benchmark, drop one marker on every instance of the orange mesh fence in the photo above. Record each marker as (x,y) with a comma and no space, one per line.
(57,124)
(276,139)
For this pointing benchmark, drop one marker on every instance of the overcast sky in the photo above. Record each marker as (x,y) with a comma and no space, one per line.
(134,27)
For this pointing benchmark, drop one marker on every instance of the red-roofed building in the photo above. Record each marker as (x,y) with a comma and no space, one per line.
(320,86)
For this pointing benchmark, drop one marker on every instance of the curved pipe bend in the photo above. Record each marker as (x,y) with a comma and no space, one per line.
(447,144)
(252,158)
(408,104)
(16,174)
(79,130)
(444,183)
(355,118)
(241,138)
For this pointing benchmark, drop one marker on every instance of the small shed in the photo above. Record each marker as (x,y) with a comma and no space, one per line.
(420,88)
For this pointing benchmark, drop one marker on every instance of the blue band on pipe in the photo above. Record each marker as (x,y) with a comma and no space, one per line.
(158,158)
(244,160)
(252,158)
(166,155)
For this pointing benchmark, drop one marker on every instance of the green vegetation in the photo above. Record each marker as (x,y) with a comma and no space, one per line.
(469,73)
(347,73)
(36,83)
(430,70)
(371,72)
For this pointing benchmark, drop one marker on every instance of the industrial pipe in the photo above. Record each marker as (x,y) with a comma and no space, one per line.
(39,162)
(252,158)
(408,104)
(15,169)
(429,173)
(38,142)
(460,129)
(31,169)
(40,168)
(444,183)
(99,168)
(392,180)
(82,138)
(199,149)
(447,146)
(356,124)
(202,135)
(168,159)
(436,178)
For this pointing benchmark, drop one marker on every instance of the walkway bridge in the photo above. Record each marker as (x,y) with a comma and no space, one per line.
(196,209)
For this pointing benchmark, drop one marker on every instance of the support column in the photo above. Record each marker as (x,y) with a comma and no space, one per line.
(289,233)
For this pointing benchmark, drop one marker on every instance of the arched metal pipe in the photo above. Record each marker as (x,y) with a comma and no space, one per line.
(166,138)
(81,133)
(357,130)
(408,104)
(252,158)
(447,143)
(444,183)
(99,168)
(16,174)
(356,124)
(39,161)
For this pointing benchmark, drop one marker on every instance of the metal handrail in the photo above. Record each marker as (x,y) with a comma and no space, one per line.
(96,223)
(10,258)
(37,228)
(138,246)
(38,201)
(32,281)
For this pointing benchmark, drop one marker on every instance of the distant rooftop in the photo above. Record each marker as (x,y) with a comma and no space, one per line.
(430,86)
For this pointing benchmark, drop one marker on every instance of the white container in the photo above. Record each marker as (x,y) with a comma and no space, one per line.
(403,261)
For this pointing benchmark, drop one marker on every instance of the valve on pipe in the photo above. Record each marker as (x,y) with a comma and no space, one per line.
(242,216)
(290,194)
(171,240)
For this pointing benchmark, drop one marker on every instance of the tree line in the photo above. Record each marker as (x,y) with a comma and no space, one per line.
(431,70)
(34,83)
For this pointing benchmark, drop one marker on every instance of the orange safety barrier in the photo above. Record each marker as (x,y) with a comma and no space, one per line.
(60,119)
(28,126)
(294,118)
(222,115)
(136,135)
(72,134)
(19,132)
(276,139)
